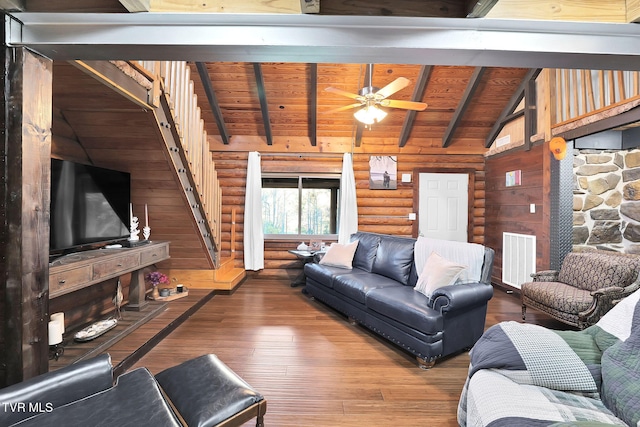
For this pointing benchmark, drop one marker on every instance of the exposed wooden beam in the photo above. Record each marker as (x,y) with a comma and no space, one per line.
(368,75)
(26,118)
(476,77)
(213,101)
(218,6)
(530,117)
(431,8)
(418,93)
(264,107)
(480,8)
(313,104)
(359,131)
(110,75)
(561,10)
(517,96)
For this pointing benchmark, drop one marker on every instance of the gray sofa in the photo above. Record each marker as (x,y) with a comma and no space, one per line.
(378,292)
(199,392)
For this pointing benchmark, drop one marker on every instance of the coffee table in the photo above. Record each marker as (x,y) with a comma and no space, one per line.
(305,256)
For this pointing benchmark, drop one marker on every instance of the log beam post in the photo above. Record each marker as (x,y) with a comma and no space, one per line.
(26,117)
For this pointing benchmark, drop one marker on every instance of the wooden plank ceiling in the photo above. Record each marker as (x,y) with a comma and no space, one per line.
(247,105)
(300,109)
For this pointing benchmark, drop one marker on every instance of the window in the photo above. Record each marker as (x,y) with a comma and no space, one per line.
(300,205)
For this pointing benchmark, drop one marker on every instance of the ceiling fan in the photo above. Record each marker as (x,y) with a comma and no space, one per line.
(371,98)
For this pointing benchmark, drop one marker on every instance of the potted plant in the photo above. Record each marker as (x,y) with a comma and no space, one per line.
(156,278)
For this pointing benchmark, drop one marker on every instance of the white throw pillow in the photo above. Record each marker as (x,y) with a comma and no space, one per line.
(437,273)
(339,255)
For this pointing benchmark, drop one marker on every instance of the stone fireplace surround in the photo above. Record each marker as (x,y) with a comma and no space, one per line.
(606,200)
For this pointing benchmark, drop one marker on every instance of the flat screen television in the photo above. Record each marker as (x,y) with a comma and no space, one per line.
(89,207)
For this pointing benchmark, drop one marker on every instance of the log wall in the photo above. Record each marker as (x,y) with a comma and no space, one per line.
(379,211)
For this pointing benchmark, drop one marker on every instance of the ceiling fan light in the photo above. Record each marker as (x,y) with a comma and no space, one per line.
(370,115)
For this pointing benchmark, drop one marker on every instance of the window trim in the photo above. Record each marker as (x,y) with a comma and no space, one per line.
(300,176)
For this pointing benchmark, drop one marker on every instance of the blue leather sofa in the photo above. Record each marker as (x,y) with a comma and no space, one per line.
(199,392)
(378,293)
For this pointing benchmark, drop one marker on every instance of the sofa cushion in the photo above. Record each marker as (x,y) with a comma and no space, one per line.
(366,250)
(559,296)
(437,272)
(394,258)
(591,271)
(357,283)
(404,305)
(339,255)
(322,274)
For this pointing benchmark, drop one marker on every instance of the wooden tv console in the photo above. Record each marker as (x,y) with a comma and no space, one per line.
(79,270)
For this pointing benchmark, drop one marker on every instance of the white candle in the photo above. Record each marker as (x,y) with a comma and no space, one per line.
(146,216)
(55,333)
(59,318)
(130,212)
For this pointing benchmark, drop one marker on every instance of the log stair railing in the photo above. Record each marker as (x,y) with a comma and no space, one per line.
(173,94)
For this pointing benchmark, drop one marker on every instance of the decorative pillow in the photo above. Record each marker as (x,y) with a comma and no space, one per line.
(339,255)
(437,273)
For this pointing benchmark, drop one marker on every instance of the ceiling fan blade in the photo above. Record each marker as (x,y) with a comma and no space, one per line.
(396,85)
(344,93)
(346,107)
(407,105)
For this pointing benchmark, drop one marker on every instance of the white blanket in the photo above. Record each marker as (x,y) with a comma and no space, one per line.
(468,254)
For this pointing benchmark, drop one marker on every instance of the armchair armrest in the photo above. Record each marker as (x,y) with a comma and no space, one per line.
(53,389)
(545,276)
(459,297)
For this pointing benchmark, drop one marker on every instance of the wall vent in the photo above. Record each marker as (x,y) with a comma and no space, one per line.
(518,258)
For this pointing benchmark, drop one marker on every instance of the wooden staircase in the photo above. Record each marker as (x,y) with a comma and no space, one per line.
(180,116)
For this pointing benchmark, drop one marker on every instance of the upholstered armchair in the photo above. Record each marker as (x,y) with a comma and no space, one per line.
(587,285)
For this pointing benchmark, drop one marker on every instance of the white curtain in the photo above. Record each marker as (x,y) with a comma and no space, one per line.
(253,234)
(348,201)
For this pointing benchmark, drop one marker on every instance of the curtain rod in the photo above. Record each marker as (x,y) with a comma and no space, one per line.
(338,155)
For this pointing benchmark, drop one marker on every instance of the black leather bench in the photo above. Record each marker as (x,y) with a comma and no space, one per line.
(215,395)
(199,392)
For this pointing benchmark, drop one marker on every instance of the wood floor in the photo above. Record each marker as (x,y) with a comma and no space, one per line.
(314,368)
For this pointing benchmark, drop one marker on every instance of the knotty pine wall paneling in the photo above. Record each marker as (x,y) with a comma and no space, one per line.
(379,211)
(507,208)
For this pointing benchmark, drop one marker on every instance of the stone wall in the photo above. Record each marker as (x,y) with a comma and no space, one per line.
(606,200)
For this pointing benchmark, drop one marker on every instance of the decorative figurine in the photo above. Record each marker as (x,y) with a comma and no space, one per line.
(133,227)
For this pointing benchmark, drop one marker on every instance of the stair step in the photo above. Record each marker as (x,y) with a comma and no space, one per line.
(229,279)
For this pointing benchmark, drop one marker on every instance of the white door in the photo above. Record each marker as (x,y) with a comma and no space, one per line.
(444,206)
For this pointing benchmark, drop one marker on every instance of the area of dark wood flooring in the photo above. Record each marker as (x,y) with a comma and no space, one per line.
(314,368)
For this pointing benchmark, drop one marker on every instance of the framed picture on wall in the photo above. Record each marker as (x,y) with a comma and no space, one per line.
(383,173)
